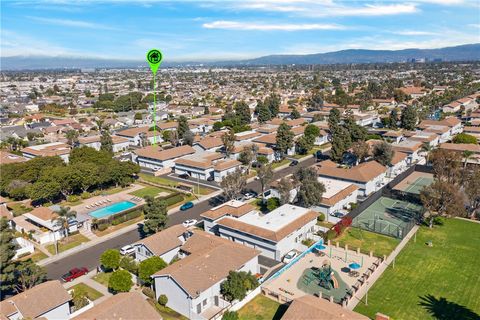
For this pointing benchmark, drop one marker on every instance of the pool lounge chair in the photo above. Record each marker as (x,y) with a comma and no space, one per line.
(108,200)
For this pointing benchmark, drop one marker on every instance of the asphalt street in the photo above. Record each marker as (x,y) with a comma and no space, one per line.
(89,257)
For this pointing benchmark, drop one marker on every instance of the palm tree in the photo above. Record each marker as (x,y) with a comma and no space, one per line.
(426,147)
(61,221)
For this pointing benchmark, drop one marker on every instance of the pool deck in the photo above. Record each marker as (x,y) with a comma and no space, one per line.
(287,281)
(124,195)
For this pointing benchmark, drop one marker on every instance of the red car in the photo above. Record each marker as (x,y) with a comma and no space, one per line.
(74,273)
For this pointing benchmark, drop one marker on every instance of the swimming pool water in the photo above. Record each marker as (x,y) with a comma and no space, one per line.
(112,209)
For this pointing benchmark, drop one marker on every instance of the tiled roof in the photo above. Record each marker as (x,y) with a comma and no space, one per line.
(228,209)
(164,241)
(210,260)
(43,213)
(155,152)
(122,306)
(364,172)
(313,308)
(37,300)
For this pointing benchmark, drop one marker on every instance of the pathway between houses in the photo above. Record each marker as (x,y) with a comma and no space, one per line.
(378,273)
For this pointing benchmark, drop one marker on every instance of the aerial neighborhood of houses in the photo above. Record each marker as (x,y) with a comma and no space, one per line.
(257,193)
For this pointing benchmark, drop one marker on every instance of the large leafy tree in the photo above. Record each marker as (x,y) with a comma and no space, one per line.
(155,212)
(310,190)
(383,153)
(233,184)
(265,176)
(472,190)
(148,267)
(120,281)
(28,274)
(237,284)
(228,139)
(409,118)
(311,133)
(446,165)
(361,150)
(72,137)
(341,141)
(284,139)
(263,112)
(315,102)
(110,259)
(284,187)
(273,104)
(182,127)
(242,112)
(7,252)
(106,143)
(442,198)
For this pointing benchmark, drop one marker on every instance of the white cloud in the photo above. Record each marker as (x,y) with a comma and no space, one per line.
(414,33)
(71,23)
(14,44)
(474,25)
(235,25)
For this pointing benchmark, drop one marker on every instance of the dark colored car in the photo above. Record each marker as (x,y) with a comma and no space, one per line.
(74,274)
(186,206)
(184,176)
(293,163)
(210,178)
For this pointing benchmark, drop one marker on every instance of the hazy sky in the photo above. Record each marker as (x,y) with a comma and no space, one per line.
(223,29)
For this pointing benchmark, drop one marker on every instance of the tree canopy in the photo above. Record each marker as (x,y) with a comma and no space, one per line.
(237,284)
(148,267)
(120,281)
(155,212)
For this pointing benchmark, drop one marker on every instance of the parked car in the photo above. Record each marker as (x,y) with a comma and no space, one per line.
(290,256)
(74,274)
(186,206)
(189,223)
(337,214)
(248,195)
(293,163)
(184,176)
(211,178)
(127,250)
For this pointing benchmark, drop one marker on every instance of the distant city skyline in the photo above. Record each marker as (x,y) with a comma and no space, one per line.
(221,30)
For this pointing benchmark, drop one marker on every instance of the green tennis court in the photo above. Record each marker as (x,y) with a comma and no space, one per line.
(388,216)
(418,185)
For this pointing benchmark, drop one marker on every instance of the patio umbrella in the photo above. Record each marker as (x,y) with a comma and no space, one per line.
(354,266)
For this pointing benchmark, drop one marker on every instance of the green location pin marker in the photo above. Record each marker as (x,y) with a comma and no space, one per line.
(154,58)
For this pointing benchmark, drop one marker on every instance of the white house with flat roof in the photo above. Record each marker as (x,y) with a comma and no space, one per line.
(338,196)
(274,234)
(48,150)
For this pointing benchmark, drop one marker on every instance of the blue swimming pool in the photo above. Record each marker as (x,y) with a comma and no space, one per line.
(112,209)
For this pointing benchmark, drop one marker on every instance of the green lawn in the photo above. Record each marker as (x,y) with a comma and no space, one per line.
(262,308)
(439,282)
(368,241)
(36,256)
(91,293)
(159,180)
(18,208)
(280,163)
(103,278)
(66,244)
(149,191)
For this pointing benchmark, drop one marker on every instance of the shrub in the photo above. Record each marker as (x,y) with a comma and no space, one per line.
(102,227)
(321,217)
(273,203)
(149,266)
(308,242)
(73,198)
(120,281)
(148,292)
(230,315)
(171,200)
(163,300)
(465,138)
(330,235)
(129,264)
(86,195)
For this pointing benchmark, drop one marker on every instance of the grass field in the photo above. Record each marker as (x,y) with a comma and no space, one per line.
(66,244)
(262,308)
(439,282)
(103,278)
(91,293)
(159,180)
(368,241)
(36,256)
(18,208)
(149,191)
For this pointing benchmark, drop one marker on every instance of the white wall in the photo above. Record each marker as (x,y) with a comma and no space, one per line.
(61,312)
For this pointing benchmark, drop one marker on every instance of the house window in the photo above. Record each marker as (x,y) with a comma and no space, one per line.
(204,302)
(199,308)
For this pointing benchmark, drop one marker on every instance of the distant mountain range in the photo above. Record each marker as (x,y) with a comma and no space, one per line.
(468,52)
